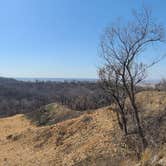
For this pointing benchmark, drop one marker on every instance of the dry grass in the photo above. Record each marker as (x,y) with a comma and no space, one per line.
(14,124)
(66,143)
(92,139)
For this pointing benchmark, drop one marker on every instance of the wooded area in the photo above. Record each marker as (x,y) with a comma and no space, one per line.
(20,97)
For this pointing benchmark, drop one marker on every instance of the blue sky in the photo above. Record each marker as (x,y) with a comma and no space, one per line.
(59,38)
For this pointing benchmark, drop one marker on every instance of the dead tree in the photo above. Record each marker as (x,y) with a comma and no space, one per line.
(161,85)
(111,84)
(121,47)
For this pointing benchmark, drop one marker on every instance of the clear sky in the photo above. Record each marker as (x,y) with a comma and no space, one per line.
(59,38)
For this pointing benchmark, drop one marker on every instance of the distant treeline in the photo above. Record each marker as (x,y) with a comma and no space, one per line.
(161,85)
(20,97)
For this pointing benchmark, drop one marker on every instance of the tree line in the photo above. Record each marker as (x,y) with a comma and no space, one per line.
(21,97)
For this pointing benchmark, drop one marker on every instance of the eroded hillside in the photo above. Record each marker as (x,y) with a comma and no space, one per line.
(90,139)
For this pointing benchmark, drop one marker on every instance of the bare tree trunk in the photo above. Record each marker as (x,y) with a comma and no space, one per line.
(139,128)
(123,118)
(119,121)
(124,123)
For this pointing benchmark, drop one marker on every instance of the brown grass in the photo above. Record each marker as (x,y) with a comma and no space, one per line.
(92,139)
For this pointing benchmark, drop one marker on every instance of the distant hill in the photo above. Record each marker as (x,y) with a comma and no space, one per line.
(7,81)
(92,138)
(51,114)
(55,79)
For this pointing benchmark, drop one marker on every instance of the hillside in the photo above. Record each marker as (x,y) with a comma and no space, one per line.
(51,114)
(89,139)
(15,124)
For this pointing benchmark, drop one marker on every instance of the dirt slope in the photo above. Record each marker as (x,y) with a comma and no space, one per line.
(14,124)
(65,143)
(92,139)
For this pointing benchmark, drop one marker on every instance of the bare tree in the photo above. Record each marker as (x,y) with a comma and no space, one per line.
(112,86)
(161,85)
(121,47)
